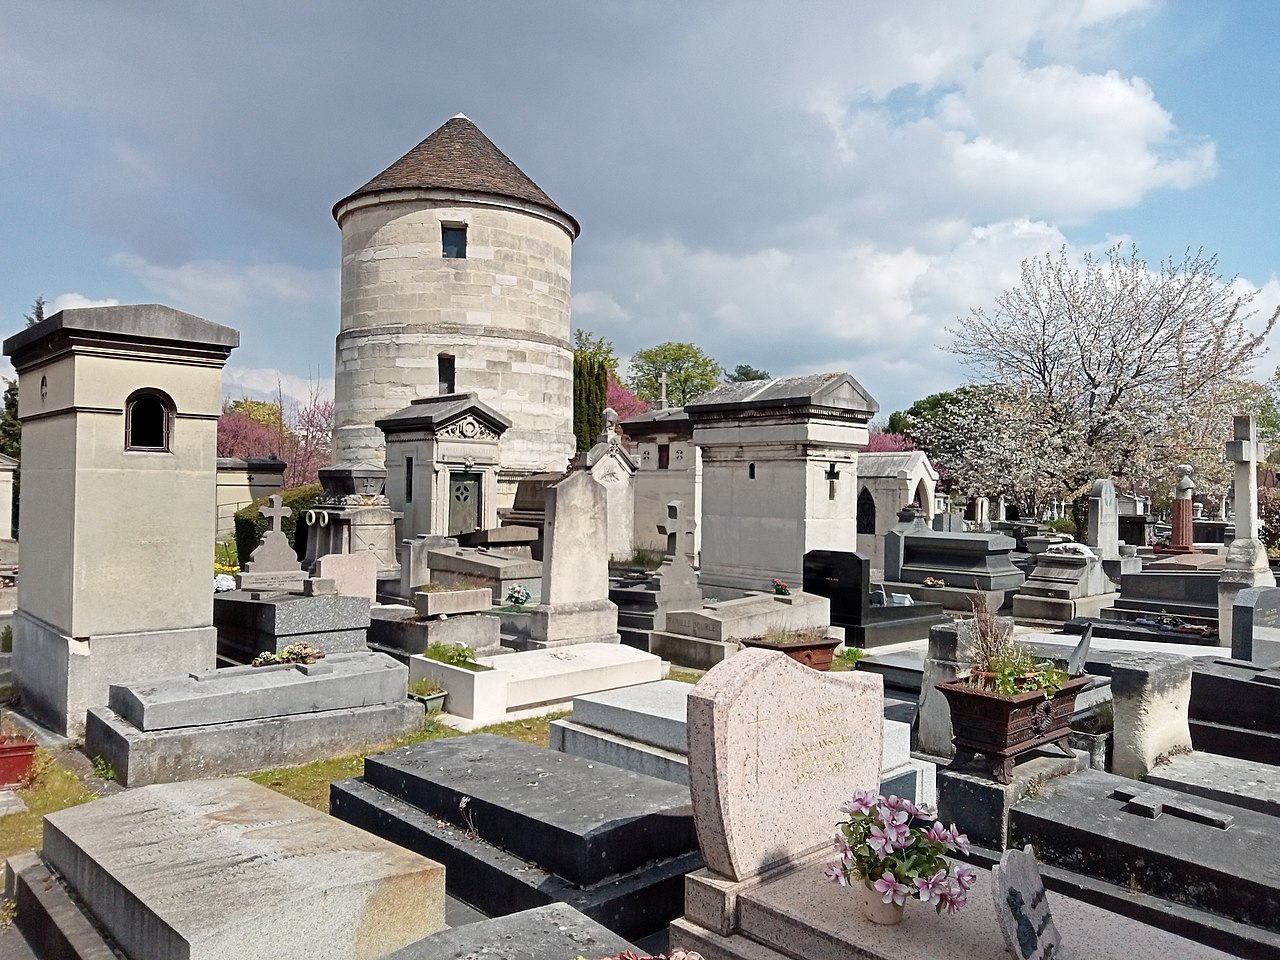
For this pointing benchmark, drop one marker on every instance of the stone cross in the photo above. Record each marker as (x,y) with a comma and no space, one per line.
(275,512)
(1245,451)
(832,477)
(662,396)
(679,526)
(1153,801)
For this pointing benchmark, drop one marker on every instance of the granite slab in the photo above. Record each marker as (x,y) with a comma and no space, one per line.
(581,820)
(554,932)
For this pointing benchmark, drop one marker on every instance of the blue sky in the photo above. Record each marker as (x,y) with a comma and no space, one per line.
(798,187)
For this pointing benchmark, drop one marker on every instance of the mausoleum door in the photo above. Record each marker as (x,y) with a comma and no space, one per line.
(464,502)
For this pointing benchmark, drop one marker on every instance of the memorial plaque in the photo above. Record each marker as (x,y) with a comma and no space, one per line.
(774,749)
(1022,907)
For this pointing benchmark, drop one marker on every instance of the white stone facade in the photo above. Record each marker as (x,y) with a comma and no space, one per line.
(501,313)
(891,481)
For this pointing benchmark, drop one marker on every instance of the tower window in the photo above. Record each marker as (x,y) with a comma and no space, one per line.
(148,417)
(454,241)
(408,479)
(444,363)
(664,456)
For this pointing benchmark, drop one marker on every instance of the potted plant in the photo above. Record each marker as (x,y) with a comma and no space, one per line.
(17,755)
(1012,702)
(892,850)
(428,692)
(810,646)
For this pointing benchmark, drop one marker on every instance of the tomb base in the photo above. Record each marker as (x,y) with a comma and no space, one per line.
(61,677)
(1051,608)
(982,806)
(561,624)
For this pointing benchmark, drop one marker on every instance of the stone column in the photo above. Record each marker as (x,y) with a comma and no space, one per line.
(1247,564)
(1150,694)
(1181,539)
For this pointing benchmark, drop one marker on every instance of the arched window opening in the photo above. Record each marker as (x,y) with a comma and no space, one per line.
(866,512)
(148,416)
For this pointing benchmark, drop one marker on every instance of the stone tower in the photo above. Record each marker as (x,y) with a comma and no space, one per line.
(456,272)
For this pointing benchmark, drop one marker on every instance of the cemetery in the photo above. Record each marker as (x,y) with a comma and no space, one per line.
(667,671)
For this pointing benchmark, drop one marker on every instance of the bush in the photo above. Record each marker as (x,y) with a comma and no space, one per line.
(1269,514)
(251,525)
(1062,526)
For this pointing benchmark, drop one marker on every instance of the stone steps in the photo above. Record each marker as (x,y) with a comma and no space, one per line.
(50,924)
(1233,741)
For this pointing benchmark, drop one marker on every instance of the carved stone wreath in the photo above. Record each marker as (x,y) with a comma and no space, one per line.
(466,428)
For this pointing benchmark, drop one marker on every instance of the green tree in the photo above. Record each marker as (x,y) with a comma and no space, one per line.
(586,344)
(11,442)
(743,372)
(37,312)
(269,413)
(690,373)
(590,391)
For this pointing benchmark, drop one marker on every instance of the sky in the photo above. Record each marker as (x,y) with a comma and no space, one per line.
(797,186)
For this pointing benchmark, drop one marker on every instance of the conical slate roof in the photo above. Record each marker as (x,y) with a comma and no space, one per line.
(457,156)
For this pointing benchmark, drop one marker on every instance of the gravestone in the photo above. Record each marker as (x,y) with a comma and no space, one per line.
(844,578)
(1255,625)
(1104,520)
(1247,564)
(213,869)
(1022,907)
(771,743)
(575,605)
(353,574)
(611,465)
(273,565)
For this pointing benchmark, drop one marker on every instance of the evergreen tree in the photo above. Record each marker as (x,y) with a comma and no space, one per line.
(590,395)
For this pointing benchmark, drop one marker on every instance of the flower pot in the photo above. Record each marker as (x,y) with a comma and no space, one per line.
(16,758)
(430,701)
(1003,728)
(877,911)
(817,654)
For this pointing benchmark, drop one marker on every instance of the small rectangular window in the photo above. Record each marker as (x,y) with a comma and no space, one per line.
(664,456)
(408,479)
(445,364)
(454,242)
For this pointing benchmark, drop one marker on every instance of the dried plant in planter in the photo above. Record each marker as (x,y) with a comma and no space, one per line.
(1004,666)
(992,638)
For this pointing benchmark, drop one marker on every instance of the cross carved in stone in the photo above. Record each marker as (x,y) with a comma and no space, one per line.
(276,512)
(678,529)
(1151,802)
(756,724)
(1245,451)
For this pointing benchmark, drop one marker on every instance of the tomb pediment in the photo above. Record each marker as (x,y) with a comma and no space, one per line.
(453,416)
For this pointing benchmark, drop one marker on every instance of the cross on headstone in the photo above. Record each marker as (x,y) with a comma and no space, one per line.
(1245,451)
(1151,802)
(677,528)
(756,724)
(276,512)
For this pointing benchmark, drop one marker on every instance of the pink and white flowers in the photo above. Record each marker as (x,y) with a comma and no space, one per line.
(896,848)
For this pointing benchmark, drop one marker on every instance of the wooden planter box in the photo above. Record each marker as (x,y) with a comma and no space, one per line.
(817,654)
(1003,728)
(16,758)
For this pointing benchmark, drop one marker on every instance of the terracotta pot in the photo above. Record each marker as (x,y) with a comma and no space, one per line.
(877,911)
(817,654)
(16,758)
(1003,728)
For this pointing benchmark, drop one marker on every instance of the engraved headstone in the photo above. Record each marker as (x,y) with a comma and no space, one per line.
(1022,907)
(273,565)
(1255,625)
(1104,520)
(774,748)
(353,574)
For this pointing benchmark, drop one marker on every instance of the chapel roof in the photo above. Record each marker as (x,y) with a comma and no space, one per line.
(458,156)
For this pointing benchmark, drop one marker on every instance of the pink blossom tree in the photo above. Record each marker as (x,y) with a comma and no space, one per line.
(624,403)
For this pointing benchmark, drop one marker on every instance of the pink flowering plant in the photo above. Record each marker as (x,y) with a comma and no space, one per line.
(896,848)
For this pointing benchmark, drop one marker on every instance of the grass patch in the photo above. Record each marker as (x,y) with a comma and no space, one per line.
(685,676)
(54,788)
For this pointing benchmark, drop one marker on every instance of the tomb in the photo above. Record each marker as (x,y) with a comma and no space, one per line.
(668,468)
(250,718)
(119,407)
(612,467)
(643,728)
(704,636)
(443,456)
(241,480)
(439,616)
(273,565)
(213,869)
(554,932)
(643,602)
(1235,709)
(465,566)
(1255,625)
(519,826)
(354,515)
(1247,564)
(779,474)
(1068,581)
(511,686)
(889,482)
(250,622)
(965,563)
(1104,532)
(1160,604)
(845,579)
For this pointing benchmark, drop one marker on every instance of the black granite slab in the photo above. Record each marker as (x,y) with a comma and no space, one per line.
(497,883)
(582,820)
(1197,851)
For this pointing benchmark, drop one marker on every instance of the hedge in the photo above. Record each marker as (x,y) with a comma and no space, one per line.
(251,525)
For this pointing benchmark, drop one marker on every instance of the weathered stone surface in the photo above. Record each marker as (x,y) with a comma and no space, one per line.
(771,743)
(227,868)
(442,603)
(253,693)
(353,574)
(1255,625)
(1241,783)
(400,628)
(554,932)
(1151,693)
(1021,901)
(1104,520)
(751,617)
(982,806)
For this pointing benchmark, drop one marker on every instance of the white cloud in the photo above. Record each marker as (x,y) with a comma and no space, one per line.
(266,383)
(71,301)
